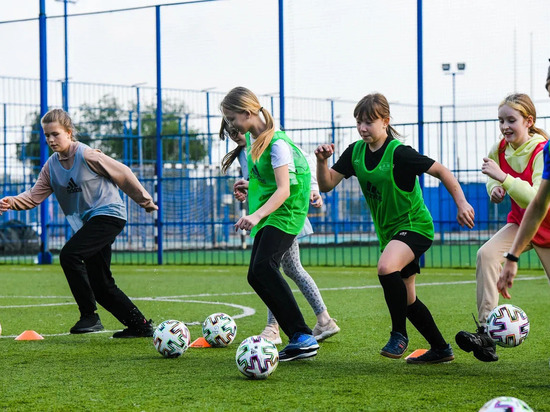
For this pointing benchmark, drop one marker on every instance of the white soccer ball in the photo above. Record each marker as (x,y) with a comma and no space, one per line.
(219,329)
(171,338)
(505,404)
(257,358)
(507,325)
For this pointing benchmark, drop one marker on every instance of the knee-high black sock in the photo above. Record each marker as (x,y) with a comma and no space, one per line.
(395,293)
(422,320)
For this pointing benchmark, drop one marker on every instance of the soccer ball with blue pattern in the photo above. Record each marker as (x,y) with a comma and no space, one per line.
(505,404)
(171,338)
(219,329)
(507,325)
(257,358)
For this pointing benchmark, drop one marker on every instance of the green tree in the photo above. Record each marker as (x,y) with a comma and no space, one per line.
(105,124)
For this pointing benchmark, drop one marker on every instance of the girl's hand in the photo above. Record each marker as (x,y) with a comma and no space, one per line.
(151,208)
(506,279)
(315,199)
(324,151)
(497,194)
(493,170)
(465,215)
(240,190)
(246,222)
(4,205)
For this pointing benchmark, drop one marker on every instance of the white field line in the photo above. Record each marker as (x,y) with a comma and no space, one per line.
(246,311)
(203,295)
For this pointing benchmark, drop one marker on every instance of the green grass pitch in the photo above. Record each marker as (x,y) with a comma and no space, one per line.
(96,373)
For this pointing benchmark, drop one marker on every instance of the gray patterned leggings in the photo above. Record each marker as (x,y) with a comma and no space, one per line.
(294,270)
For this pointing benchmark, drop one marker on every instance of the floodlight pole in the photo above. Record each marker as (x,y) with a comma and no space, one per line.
(65,89)
(460,70)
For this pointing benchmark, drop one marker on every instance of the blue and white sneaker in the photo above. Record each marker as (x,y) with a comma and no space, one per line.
(301,346)
(396,346)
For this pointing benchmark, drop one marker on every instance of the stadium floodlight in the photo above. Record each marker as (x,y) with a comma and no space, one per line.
(461,67)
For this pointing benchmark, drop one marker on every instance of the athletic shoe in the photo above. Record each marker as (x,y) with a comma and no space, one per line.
(87,324)
(396,346)
(434,356)
(143,331)
(479,342)
(271,333)
(301,346)
(322,332)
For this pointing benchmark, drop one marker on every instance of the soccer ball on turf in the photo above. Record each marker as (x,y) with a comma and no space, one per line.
(219,330)
(257,358)
(505,403)
(171,338)
(507,325)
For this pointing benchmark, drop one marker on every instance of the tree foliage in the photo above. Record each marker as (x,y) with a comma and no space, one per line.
(106,126)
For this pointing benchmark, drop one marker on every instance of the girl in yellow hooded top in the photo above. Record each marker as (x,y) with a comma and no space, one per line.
(513,167)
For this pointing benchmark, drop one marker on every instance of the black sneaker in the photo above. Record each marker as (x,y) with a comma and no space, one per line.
(396,346)
(87,324)
(143,331)
(434,356)
(479,342)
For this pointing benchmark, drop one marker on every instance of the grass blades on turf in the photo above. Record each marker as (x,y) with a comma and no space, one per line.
(95,372)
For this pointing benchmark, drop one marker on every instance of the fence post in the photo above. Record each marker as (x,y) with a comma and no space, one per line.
(44,256)
(208,127)
(281,66)
(159,164)
(187,142)
(334,196)
(420,83)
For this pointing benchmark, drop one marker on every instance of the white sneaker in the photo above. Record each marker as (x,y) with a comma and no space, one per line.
(322,332)
(271,333)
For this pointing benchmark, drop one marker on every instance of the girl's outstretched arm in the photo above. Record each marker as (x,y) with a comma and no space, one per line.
(534,215)
(465,215)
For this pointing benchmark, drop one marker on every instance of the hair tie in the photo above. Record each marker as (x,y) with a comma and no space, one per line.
(261,108)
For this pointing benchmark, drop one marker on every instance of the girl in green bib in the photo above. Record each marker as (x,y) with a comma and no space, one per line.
(387,172)
(278,199)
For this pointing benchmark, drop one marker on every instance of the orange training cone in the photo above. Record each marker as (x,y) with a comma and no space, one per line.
(200,343)
(417,353)
(29,335)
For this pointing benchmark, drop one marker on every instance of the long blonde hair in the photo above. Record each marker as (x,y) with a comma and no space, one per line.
(62,117)
(525,106)
(240,100)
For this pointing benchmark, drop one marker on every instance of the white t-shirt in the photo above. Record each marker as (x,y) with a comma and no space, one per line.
(281,154)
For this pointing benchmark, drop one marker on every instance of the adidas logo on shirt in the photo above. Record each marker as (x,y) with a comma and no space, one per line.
(72,187)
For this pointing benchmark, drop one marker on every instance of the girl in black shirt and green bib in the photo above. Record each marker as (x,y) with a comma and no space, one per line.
(278,198)
(387,171)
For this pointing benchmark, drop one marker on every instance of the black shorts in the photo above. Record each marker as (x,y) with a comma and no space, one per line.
(419,244)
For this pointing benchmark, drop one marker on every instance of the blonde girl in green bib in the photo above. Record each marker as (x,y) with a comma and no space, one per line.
(278,199)
(387,172)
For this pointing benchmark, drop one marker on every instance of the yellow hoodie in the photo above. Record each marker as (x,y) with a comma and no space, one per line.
(519,190)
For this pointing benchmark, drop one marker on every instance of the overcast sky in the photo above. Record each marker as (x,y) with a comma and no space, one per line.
(333,49)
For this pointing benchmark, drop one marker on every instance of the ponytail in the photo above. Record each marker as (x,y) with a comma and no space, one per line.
(264,139)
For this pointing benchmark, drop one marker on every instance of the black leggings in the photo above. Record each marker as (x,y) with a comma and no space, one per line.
(86,261)
(264,276)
